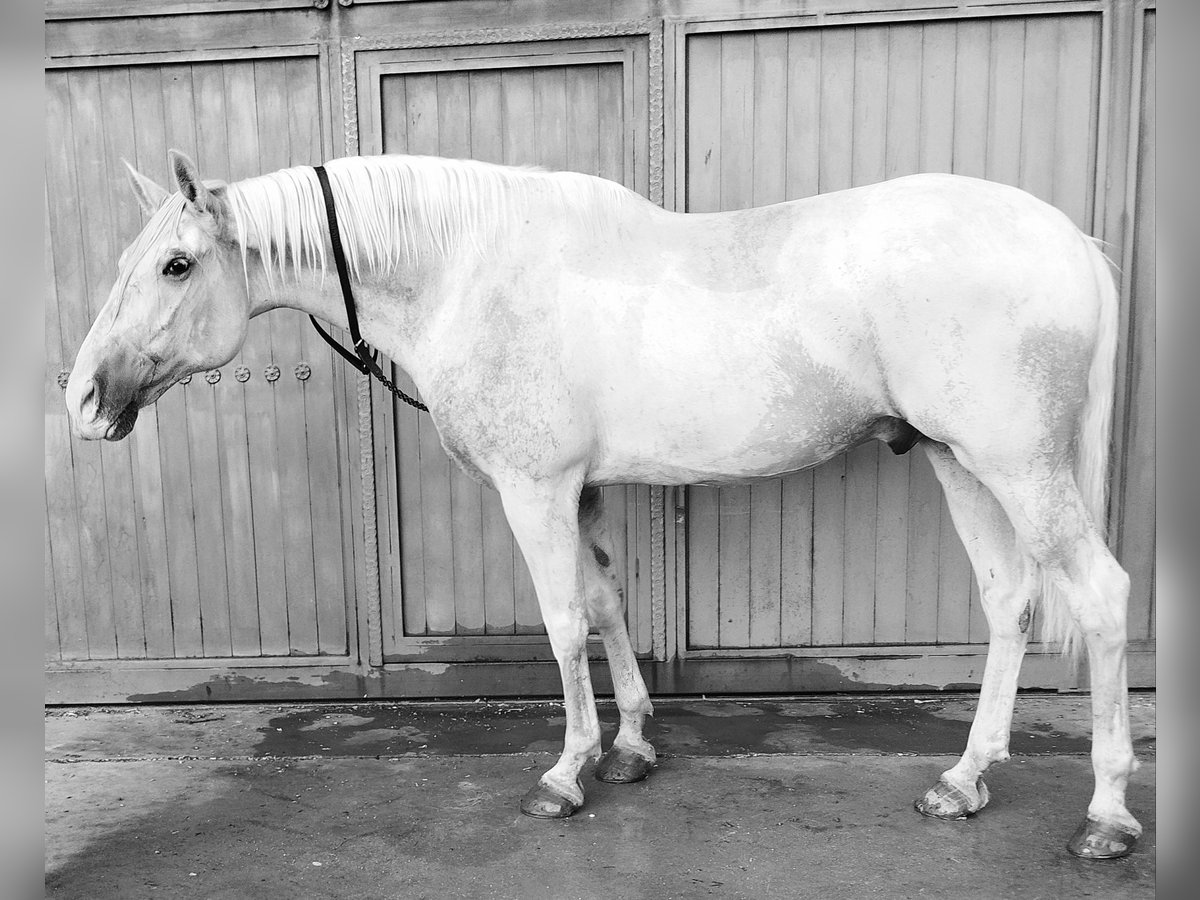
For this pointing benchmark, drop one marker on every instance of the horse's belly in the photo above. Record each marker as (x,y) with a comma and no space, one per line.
(731,437)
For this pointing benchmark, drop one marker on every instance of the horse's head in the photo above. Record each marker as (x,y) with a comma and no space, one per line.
(180,305)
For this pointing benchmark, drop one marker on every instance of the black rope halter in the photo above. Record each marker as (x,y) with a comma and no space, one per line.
(366,360)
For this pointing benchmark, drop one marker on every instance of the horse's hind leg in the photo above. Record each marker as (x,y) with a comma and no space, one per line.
(1052,521)
(1008,587)
(543,515)
(630,757)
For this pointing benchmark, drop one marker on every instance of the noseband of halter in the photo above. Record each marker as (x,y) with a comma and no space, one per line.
(365,362)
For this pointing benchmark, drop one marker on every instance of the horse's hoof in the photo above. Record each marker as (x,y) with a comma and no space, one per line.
(620,766)
(1101,840)
(544,802)
(945,801)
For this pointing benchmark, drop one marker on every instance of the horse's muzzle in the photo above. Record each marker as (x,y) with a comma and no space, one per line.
(96,411)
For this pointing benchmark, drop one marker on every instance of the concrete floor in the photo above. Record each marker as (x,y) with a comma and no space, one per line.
(751,799)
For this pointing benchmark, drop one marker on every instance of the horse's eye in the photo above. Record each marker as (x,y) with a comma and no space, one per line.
(177,267)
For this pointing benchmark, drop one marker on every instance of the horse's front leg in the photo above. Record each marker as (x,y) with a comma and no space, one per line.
(543,515)
(631,757)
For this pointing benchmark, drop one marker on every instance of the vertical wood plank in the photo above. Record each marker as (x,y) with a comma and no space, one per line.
(829,546)
(393,98)
(55,421)
(862,502)
(412,533)
(550,117)
(407,619)
(704,124)
(769,102)
(62,516)
(520,148)
(583,119)
(422,125)
(190,134)
(796,561)
(737,121)
(487,123)
(902,151)
(151,149)
(954,583)
(257,353)
(1136,543)
(1006,64)
(50,648)
(231,450)
(516,95)
(611,128)
(765,563)
(424,137)
(869,110)
(868,154)
(279,80)
(387,536)
(736,192)
(124,222)
(971,94)
(1038,104)
(702,567)
(1076,117)
(938,54)
(466,501)
(901,157)
(923,562)
(91,482)
(836,128)
(803,131)
(322,471)
(183,527)
(499,615)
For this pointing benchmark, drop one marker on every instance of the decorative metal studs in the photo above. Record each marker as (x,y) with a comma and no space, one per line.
(62,379)
(186,379)
(271,372)
(242,373)
(212,376)
(303,371)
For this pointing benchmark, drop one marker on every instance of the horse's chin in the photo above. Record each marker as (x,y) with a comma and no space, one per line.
(123,424)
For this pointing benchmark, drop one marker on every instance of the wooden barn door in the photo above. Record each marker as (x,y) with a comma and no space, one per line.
(853,570)
(217,537)
(454,586)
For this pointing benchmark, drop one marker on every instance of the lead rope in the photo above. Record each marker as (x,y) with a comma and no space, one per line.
(365,362)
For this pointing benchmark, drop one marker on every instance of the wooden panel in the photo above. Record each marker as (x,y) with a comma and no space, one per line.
(787,112)
(459,571)
(216,529)
(1135,540)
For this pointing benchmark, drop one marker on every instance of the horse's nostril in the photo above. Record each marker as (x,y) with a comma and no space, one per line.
(89,401)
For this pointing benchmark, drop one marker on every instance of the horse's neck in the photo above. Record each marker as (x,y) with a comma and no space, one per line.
(393,309)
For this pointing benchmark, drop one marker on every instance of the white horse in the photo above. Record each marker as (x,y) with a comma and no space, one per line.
(565,333)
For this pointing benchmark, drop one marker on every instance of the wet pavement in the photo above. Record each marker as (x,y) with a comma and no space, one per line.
(757,798)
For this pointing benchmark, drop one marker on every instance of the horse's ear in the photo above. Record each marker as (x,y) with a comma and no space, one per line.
(187,177)
(150,195)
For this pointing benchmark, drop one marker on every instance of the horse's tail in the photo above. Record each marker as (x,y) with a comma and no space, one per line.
(1092,443)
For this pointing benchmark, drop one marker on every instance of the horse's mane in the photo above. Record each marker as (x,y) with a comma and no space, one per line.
(396,209)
